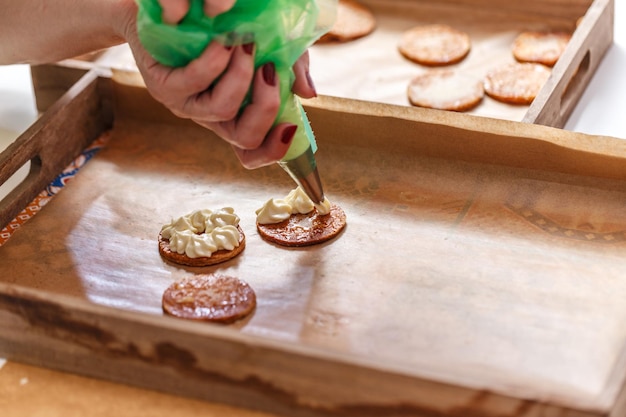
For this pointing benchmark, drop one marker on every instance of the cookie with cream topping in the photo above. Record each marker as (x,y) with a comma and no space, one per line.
(296,221)
(202,238)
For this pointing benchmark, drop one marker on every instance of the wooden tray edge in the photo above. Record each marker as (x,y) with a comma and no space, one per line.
(53,141)
(221,365)
(558,98)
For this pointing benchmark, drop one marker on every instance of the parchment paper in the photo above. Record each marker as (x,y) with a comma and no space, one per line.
(503,278)
(372,69)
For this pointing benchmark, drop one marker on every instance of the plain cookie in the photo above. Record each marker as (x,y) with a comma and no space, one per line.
(446,90)
(214,298)
(516,83)
(434,45)
(540,47)
(354,21)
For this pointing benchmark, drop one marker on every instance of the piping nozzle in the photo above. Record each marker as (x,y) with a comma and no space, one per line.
(303,170)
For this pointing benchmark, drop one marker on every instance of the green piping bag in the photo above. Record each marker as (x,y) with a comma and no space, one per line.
(282,30)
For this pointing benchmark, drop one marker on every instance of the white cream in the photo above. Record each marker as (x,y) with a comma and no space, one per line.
(277,210)
(203,232)
(324,207)
(299,201)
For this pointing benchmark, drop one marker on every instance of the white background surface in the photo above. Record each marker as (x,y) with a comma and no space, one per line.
(601,110)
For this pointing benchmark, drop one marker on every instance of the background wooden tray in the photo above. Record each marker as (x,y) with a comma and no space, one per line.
(376,72)
(372,69)
(481,272)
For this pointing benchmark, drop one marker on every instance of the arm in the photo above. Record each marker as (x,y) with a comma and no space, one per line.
(35,31)
(32,31)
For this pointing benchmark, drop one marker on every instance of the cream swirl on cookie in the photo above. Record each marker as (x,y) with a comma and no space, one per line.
(276,210)
(203,232)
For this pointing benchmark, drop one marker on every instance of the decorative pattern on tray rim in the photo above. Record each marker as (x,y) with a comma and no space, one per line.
(53,188)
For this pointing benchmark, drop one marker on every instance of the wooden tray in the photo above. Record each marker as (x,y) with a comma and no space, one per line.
(481,272)
(376,72)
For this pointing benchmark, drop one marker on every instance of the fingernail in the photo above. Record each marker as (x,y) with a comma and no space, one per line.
(248,48)
(288,133)
(269,74)
(228,47)
(310,81)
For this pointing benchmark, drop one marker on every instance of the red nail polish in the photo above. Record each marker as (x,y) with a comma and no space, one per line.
(248,48)
(269,74)
(288,134)
(311,84)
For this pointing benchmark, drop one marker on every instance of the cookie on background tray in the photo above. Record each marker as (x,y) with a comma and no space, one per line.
(446,89)
(434,45)
(540,47)
(516,83)
(354,21)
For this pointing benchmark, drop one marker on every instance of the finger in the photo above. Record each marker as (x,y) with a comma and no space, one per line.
(200,73)
(214,7)
(259,115)
(274,147)
(174,10)
(249,131)
(303,85)
(178,88)
(225,98)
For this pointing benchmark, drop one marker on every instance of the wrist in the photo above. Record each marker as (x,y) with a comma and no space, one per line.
(124,19)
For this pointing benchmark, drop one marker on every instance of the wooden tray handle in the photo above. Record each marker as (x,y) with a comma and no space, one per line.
(53,141)
(585,52)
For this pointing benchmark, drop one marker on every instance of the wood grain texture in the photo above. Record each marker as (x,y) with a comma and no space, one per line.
(53,142)
(480,274)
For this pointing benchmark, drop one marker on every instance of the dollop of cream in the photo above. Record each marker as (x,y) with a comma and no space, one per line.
(276,210)
(324,207)
(299,201)
(203,232)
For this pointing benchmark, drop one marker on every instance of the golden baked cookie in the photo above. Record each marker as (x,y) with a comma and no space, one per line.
(434,45)
(217,257)
(445,90)
(516,83)
(354,20)
(305,229)
(214,298)
(540,47)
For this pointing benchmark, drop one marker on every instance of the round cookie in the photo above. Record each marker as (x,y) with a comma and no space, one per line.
(540,47)
(305,229)
(217,257)
(354,21)
(434,45)
(445,90)
(214,298)
(516,83)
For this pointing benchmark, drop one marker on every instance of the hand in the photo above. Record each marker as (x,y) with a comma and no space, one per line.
(189,93)
(175,10)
